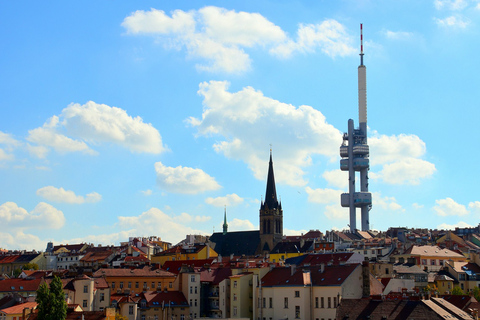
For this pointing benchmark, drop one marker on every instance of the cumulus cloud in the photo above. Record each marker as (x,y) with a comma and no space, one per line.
(453,5)
(399,156)
(184,180)
(229,200)
(220,37)
(53,194)
(388,204)
(461,224)
(241,117)
(448,207)
(453,22)
(147,192)
(6,156)
(155,221)
(330,37)
(241,225)
(43,216)
(336,178)
(323,196)
(92,123)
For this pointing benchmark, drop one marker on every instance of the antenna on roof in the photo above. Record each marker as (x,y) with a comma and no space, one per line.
(361,44)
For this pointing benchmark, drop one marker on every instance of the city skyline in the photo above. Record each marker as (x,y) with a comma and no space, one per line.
(148,119)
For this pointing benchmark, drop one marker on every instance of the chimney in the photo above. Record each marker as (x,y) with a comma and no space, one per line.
(293,268)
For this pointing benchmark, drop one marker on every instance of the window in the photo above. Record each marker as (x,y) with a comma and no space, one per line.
(191,290)
(234,297)
(264,303)
(113,285)
(136,284)
(85,289)
(234,311)
(195,302)
(432,262)
(129,284)
(102,296)
(143,317)
(316,302)
(191,302)
(297,312)
(285,303)
(322,302)
(85,303)
(424,261)
(144,285)
(329,302)
(130,309)
(387,271)
(195,290)
(297,294)
(334,302)
(235,284)
(170,285)
(121,284)
(270,303)
(192,278)
(182,317)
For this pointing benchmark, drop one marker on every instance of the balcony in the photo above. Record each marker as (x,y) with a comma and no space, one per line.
(358,164)
(360,199)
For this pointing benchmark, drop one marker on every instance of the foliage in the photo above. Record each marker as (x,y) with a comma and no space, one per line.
(457,291)
(118,316)
(30,266)
(17,272)
(476,293)
(51,301)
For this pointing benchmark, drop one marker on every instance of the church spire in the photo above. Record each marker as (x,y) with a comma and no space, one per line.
(271,194)
(225,225)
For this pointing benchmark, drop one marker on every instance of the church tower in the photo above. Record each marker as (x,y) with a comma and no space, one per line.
(225,224)
(271,215)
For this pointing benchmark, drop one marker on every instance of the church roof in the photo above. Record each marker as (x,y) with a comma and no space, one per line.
(271,201)
(236,243)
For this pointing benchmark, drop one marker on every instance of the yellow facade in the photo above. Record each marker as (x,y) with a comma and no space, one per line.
(280,257)
(183,255)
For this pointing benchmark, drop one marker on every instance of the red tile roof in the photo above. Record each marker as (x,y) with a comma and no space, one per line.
(331,276)
(124,272)
(19,285)
(18,309)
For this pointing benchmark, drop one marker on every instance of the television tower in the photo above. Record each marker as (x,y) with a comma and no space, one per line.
(354,152)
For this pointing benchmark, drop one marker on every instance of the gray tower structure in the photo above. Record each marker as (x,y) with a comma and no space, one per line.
(355,152)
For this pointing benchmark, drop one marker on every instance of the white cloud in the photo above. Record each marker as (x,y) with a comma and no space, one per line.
(336,178)
(337,213)
(184,180)
(448,207)
(240,225)
(6,156)
(323,196)
(241,117)
(95,124)
(8,140)
(155,221)
(66,196)
(408,171)
(17,240)
(397,35)
(461,224)
(47,136)
(330,37)
(454,5)
(417,206)
(220,37)
(44,216)
(400,157)
(474,206)
(388,204)
(229,200)
(290,232)
(147,192)
(453,22)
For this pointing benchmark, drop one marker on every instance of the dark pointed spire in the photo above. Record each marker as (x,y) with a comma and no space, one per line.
(271,194)
(225,225)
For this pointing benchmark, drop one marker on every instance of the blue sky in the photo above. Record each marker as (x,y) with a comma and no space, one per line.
(148,118)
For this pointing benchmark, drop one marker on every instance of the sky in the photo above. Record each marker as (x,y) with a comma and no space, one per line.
(152,118)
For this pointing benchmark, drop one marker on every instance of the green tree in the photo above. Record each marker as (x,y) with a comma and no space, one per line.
(457,291)
(118,316)
(51,301)
(30,266)
(476,293)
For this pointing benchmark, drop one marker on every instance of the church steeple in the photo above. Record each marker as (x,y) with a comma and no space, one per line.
(271,194)
(225,225)
(271,215)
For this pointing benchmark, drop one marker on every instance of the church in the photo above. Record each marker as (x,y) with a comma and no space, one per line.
(255,242)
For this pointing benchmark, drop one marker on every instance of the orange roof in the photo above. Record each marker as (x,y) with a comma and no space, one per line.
(18,309)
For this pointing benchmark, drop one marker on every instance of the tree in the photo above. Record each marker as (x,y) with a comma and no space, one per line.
(457,291)
(51,301)
(476,293)
(30,266)
(118,316)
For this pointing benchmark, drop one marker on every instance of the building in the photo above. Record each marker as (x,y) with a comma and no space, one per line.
(431,258)
(184,253)
(255,242)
